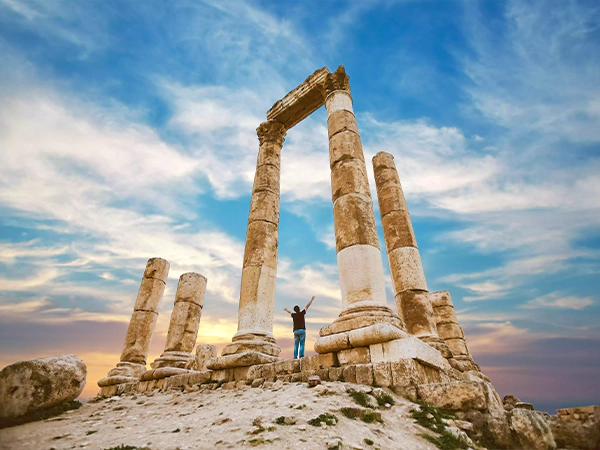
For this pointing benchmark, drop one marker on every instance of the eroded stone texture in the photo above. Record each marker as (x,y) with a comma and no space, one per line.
(408,277)
(28,386)
(449,329)
(204,353)
(183,327)
(359,258)
(141,325)
(532,429)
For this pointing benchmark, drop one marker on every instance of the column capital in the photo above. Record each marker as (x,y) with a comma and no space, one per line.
(337,81)
(271,130)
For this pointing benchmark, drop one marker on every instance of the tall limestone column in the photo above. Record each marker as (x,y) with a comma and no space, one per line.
(254,342)
(183,329)
(358,255)
(141,325)
(450,331)
(408,277)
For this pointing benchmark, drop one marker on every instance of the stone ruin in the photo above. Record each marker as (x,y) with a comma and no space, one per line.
(419,352)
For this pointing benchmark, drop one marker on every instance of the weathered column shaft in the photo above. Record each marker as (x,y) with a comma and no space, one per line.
(183,329)
(257,292)
(360,268)
(259,270)
(141,325)
(145,314)
(358,254)
(187,311)
(408,277)
(448,326)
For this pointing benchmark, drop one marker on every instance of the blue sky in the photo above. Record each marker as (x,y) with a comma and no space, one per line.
(127,131)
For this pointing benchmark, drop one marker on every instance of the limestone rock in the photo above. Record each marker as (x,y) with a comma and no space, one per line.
(509,402)
(532,429)
(576,434)
(27,386)
(313,381)
(457,396)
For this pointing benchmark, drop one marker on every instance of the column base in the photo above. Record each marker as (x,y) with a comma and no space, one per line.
(247,349)
(360,337)
(360,315)
(181,360)
(125,372)
(163,372)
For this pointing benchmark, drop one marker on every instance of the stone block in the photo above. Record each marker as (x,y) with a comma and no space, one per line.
(354,222)
(254,372)
(191,289)
(449,330)
(360,355)
(332,343)
(139,334)
(405,372)
(183,327)
(287,367)
(458,396)
(411,347)
(327,360)
(142,387)
(398,230)
(349,374)
(343,146)
(310,363)
(440,299)
(109,391)
(407,270)
(266,178)
(374,334)
(223,375)
(269,153)
(264,206)
(296,377)
(261,245)
(149,296)
(391,199)
(341,120)
(229,385)
(199,377)
(269,371)
(383,160)
(364,374)
(382,374)
(338,100)
(349,176)
(242,384)
(239,373)
(376,352)
(429,374)
(204,353)
(444,314)
(157,268)
(323,374)
(457,346)
(417,313)
(257,382)
(335,373)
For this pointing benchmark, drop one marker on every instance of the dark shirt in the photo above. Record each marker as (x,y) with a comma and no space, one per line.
(299,320)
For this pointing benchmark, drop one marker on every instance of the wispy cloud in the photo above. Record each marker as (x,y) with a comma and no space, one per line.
(559,300)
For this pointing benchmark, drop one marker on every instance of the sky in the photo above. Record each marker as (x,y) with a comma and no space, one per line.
(127,131)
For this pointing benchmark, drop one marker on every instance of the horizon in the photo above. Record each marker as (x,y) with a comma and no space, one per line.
(127,131)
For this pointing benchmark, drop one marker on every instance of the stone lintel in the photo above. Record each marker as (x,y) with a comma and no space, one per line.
(302,101)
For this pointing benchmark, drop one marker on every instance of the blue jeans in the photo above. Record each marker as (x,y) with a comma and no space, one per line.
(299,338)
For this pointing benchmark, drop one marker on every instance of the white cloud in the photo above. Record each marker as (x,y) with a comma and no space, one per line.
(559,300)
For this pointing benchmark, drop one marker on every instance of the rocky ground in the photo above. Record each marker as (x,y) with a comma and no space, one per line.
(271,418)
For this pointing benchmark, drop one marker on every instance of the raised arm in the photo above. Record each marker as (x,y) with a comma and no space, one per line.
(287,311)
(309,303)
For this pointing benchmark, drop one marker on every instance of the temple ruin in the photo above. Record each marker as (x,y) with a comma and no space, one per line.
(419,349)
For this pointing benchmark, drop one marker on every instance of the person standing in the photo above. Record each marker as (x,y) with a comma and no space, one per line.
(299,328)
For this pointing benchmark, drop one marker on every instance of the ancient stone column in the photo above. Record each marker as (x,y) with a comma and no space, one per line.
(450,331)
(358,254)
(254,342)
(183,329)
(141,325)
(408,277)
